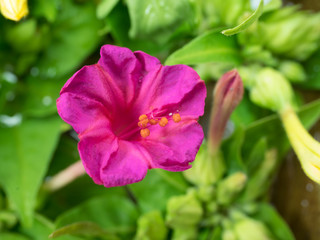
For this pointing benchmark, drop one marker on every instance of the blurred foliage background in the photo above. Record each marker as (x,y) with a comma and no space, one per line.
(39,53)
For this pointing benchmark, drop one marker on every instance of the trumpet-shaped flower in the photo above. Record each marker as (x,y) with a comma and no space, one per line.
(14,9)
(133,114)
(306,148)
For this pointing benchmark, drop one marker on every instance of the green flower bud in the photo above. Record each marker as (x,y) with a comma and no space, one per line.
(293,71)
(248,228)
(151,226)
(184,211)
(228,232)
(230,187)
(190,233)
(290,32)
(207,168)
(271,90)
(260,181)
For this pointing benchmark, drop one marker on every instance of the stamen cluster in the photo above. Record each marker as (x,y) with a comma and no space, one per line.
(145,121)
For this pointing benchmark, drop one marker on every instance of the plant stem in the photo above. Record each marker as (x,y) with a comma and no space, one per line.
(65,177)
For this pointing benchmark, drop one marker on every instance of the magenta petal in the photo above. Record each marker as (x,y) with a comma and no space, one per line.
(119,63)
(148,63)
(80,112)
(171,86)
(175,146)
(92,82)
(96,147)
(192,104)
(128,165)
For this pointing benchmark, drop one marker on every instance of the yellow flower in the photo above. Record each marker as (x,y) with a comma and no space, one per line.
(306,148)
(14,9)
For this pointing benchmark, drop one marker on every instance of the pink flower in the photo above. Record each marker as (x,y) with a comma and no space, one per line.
(133,114)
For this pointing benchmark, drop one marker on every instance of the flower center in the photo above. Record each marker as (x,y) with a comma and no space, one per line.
(129,128)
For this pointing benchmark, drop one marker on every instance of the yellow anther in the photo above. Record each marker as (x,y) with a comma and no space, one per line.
(142,117)
(144,132)
(176,117)
(163,122)
(153,121)
(143,123)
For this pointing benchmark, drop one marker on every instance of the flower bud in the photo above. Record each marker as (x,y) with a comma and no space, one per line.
(227,95)
(306,148)
(293,71)
(207,168)
(189,233)
(290,32)
(14,9)
(151,226)
(228,232)
(248,228)
(271,90)
(230,187)
(184,211)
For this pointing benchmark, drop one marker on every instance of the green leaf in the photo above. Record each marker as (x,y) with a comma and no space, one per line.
(85,229)
(275,223)
(246,23)
(12,236)
(209,47)
(44,8)
(74,37)
(119,23)
(41,96)
(261,179)
(158,20)
(63,200)
(41,229)
(113,213)
(158,186)
(25,153)
(105,7)
(256,156)
(216,233)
